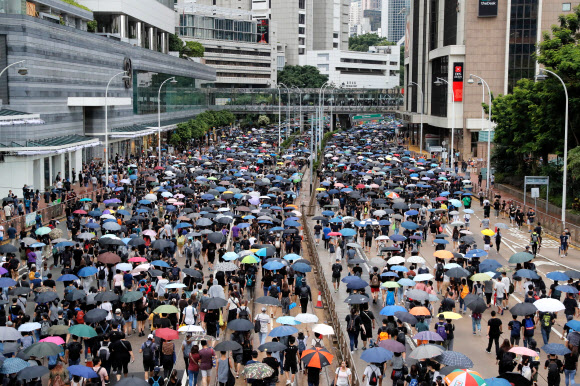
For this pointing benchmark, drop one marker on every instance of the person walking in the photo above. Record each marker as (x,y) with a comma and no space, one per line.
(224,366)
(494,331)
(206,357)
(343,375)
(261,322)
(353,323)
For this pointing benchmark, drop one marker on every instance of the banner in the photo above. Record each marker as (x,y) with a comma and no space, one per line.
(458,82)
(30,219)
(263,31)
(487,8)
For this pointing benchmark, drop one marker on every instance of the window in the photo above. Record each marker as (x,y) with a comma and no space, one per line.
(439,67)
(433,27)
(450,23)
(301,31)
(323,67)
(325,57)
(301,4)
(301,41)
(523,33)
(301,18)
(334,45)
(301,51)
(566,7)
(335,35)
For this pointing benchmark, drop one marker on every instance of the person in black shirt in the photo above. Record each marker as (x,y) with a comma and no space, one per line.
(291,359)
(313,376)
(275,365)
(494,330)
(49,282)
(554,366)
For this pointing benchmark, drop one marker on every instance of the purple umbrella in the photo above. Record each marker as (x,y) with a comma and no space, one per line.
(254,200)
(392,345)
(428,335)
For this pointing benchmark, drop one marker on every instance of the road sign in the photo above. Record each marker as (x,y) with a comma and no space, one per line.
(535,192)
(444,155)
(537,180)
(436,149)
(368,116)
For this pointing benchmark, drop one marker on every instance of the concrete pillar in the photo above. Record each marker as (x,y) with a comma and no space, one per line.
(123,26)
(164,42)
(139,28)
(61,166)
(71,165)
(152,37)
(51,174)
(41,185)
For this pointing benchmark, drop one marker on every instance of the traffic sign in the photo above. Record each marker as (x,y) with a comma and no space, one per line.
(368,116)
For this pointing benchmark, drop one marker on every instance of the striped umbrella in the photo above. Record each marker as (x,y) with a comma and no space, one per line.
(318,357)
(464,377)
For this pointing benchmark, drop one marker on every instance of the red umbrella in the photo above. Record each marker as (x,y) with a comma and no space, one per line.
(79,211)
(335,234)
(360,186)
(158,168)
(166,333)
(317,357)
(137,259)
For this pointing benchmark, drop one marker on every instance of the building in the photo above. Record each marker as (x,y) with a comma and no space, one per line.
(451,40)
(53,118)
(393,19)
(374,5)
(353,69)
(354,14)
(374,19)
(244,51)
(244,5)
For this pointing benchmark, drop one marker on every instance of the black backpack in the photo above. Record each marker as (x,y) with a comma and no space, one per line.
(373,379)
(74,350)
(147,353)
(553,370)
(102,274)
(304,292)
(243,314)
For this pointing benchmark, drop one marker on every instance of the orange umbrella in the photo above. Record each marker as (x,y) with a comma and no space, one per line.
(317,357)
(443,254)
(420,311)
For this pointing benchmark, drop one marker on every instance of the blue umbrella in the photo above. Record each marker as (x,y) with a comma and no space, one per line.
(398,238)
(390,310)
(63,244)
(301,267)
(328,213)
(412,212)
(557,276)
(407,282)
(336,220)
(13,365)
(87,271)
(567,288)
(376,355)
(489,265)
(68,277)
(291,223)
(556,348)
(207,196)
(528,274)
(439,241)
(287,320)
(6,282)
(82,371)
(95,213)
(357,284)
(292,257)
(170,208)
(384,222)
(246,225)
(160,263)
(142,210)
(389,274)
(112,226)
(229,256)
(92,225)
(574,325)
(409,225)
(183,225)
(273,266)
(37,245)
(497,382)
(144,202)
(476,253)
(348,232)
(350,279)
(399,268)
(283,331)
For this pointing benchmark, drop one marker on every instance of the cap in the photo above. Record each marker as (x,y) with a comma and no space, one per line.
(157,369)
(77,309)
(37,274)
(150,336)
(118,311)
(264,309)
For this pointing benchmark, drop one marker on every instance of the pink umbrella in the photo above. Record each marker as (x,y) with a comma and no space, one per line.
(53,339)
(150,232)
(137,259)
(3,270)
(523,351)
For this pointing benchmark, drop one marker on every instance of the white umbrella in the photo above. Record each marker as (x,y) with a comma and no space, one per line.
(423,277)
(140,268)
(466,232)
(307,318)
(348,219)
(323,329)
(451,265)
(124,267)
(378,262)
(379,213)
(175,285)
(382,238)
(396,260)
(150,197)
(457,224)
(27,327)
(416,260)
(108,216)
(549,305)
(191,328)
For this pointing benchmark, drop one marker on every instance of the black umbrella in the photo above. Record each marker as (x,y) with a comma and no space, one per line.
(8,248)
(132,381)
(155,272)
(96,315)
(106,296)
(477,306)
(19,291)
(217,237)
(228,345)
(268,300)
(458,273)
(240,325)
(111,241)
(136,242)
(272,347)
(193,273)
(406,317)
(46,297)
(161,244)
(75,294)
(32,372)
(516,379)
(214,303)
(523,309)
(357,299)
(355,261)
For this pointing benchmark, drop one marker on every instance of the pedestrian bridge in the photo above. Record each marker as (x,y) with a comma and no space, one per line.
(342,101)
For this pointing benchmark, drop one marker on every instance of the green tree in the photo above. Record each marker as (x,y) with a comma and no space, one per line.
(175,43)
(263,120)
(364,41)
(301,76)
(192,50)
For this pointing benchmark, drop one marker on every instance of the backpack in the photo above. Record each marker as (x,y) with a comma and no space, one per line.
(439,272)
(401,337)
(553,370)
(58,381)
(237,247)
(147,353)
(440,329)
(181,241)
(383,335)
(273,291)
(303,292)
(516,328)
(534,238)
(375,280)
(351,326)
(44,326)
(74,350)
(105,354)
(188,251)
(156,381)
(556,294)
(373,379)
(167,348)
(528,327)
(250,280)
(301,345)
(80,317)
(102,274)
(547,320)
(336,270)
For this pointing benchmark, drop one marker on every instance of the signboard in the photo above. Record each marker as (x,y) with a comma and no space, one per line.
(482,136)
(30,219)
(536,180)
(263,31)
(458,82)
(368,116)
(487,8)
(436,149)
(535,192)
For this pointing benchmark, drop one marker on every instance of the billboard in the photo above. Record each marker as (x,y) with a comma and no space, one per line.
(263,31)
(458,82)
(487,8)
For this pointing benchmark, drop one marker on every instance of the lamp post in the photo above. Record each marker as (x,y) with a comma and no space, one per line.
(288,105)
(422,105)
(300,94)
(543,76)
(21,70)
(279,116)
(107,123)
(173,81)
(321,117)
(484,83)
(439,82)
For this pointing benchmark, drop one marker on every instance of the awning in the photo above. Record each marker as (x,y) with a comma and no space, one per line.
(54,145)
(144,129)
(12,117)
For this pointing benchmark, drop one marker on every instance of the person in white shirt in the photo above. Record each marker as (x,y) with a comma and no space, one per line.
(343,375)
(264,321)
(107,306)
(500,292)
(189,313)
(368,373)
(506,282)
(160,287)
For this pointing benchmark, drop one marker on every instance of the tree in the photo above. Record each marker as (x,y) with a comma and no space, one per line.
(301,76)
(263,120)
(175,43)
(192,50)
(364,41)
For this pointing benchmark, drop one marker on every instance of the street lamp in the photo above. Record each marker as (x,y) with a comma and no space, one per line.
(439,82)
(300,93)
(321,116)
(279,116)
(288,105)
(484,83)
(422,105)
(543,76)
(173,81)
(22,70)
(125,77)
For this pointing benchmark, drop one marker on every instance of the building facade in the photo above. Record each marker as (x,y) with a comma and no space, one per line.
(393,18)
(61,100)
(451,40)
(353,69)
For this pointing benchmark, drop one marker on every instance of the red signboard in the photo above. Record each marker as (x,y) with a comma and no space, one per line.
(458,82)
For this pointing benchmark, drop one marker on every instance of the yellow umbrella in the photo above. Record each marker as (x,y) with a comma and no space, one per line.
(480,277)
(443,254)
(487,232)
(390,284)
(320,189)
(450,315)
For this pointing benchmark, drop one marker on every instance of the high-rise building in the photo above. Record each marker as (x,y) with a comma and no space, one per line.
(244,5)
(354,14)
(450,40)
(374,5)
(393,17)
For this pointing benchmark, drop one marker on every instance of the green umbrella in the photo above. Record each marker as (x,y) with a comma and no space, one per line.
(59,329)
(250,259)
(257,371)
(131,296)
(520,257)
(43,349)
(83,331)
(43,231)
(166,309)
